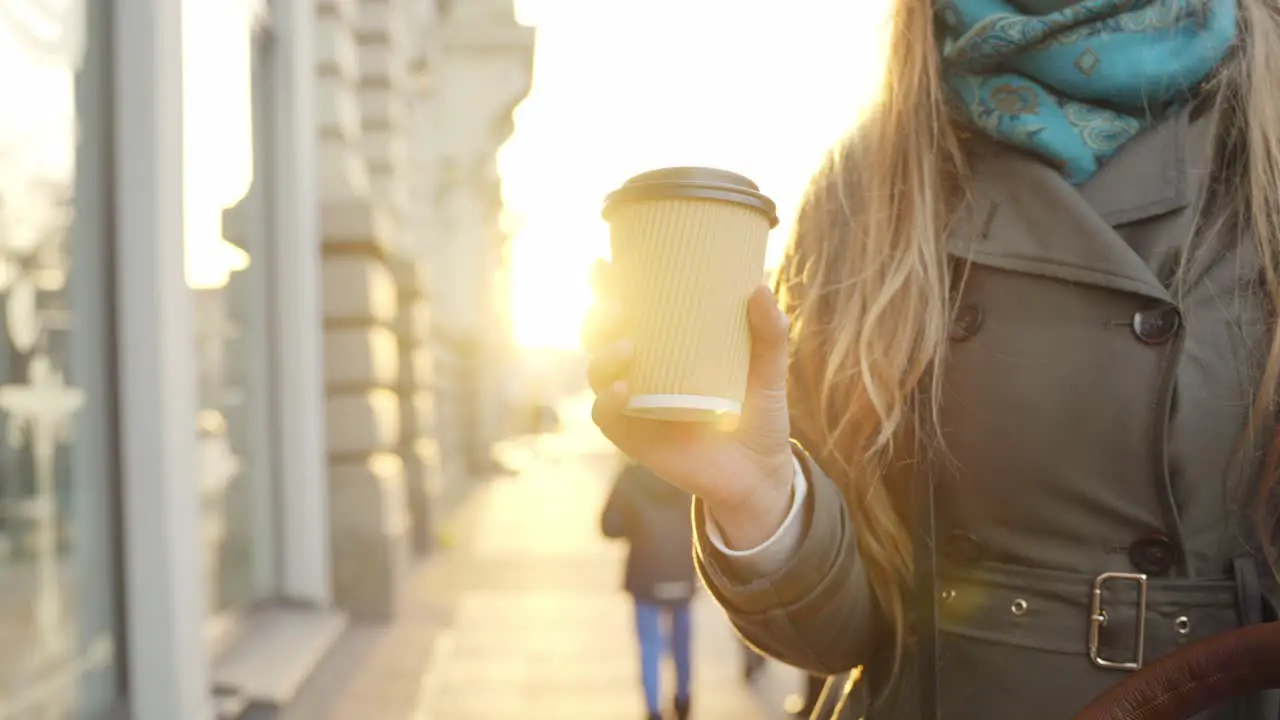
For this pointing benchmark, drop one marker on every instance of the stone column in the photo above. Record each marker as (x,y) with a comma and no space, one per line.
(343,173)
(484,72)
(370,525)
(418,448)
(386,90)
(362,372)
(435,445)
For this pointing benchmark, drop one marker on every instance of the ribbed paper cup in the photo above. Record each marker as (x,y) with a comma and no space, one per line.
(688,250)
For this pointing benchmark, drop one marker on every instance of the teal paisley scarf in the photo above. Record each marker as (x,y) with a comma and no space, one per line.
(1074,81)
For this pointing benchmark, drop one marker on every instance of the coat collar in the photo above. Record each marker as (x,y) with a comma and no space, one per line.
(1149,178)
(1023,216)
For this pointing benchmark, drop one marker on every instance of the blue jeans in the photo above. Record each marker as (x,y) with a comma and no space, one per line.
(649,632)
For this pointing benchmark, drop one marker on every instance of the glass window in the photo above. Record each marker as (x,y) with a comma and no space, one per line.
(58,646)
(224,232)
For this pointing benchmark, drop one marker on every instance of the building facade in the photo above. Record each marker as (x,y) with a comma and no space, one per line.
(249,252)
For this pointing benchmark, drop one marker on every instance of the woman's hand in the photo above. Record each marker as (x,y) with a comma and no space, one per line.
(743,474)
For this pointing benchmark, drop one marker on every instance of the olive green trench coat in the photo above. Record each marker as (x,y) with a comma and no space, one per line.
(1093,407)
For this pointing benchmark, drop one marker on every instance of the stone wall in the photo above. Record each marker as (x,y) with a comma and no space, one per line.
(410,360)
(369,516)
(482,71)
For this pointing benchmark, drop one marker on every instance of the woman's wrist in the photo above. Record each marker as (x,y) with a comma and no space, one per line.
(754,519)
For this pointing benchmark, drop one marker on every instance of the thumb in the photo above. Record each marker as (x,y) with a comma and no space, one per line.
(770,332)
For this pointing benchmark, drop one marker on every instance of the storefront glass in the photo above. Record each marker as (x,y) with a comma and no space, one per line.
(59,646)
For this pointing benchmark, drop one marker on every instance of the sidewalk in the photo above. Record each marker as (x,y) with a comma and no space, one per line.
(523,617)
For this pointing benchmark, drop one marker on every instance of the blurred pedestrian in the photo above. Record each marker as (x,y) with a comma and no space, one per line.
(653,517)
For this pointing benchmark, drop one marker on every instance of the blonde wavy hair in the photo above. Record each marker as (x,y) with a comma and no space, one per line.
(866,279)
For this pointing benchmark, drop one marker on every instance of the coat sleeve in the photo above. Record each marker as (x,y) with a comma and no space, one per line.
(613,519)
(817,611)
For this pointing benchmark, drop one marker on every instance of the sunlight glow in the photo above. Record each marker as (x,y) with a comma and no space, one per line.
(623,86)
(217,134)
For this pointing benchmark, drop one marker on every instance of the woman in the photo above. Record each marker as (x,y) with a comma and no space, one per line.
(1041,272)
(653,517)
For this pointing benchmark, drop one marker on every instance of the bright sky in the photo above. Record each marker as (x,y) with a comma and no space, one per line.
(623,86)
(217,132)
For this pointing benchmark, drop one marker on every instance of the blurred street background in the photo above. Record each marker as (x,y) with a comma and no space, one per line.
(523,615)
(292,419)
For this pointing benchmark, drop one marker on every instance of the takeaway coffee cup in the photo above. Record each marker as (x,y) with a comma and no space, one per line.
(688,250)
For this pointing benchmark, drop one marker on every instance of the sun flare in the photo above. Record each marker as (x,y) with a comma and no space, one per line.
(550,288)
(606,104)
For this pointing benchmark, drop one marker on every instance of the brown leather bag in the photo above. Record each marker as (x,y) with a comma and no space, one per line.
(1195,678)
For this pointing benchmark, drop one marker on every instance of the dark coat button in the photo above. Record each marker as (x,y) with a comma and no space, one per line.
(1157,325)
(1154,555)
(962,548)
(967,321)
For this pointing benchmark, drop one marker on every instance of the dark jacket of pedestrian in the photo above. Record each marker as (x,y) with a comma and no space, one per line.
(653,517)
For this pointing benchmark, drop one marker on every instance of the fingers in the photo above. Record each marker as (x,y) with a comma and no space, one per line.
(770,332)
(609,365)
(607,411)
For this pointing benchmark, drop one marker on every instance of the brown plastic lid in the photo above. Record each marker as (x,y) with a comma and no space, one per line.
(697,183)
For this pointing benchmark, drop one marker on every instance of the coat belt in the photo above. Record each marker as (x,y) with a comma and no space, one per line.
(1118,620)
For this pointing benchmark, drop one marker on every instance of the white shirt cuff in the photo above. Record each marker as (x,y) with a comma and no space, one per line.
(769,556)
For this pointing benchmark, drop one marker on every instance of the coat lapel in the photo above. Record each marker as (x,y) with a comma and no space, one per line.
(1023,216)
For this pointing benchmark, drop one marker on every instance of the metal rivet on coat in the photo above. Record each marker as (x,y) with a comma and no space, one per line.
(1156,326)
(1019,606)
(948,595)
(1182,625)
(966,323)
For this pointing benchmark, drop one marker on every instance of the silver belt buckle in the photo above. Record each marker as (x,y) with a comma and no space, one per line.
(1098,620)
